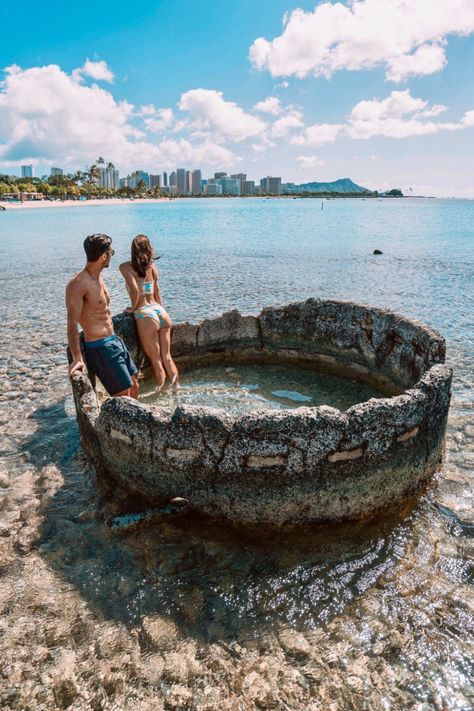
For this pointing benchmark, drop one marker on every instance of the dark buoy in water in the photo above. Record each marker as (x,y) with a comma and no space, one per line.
(377,251)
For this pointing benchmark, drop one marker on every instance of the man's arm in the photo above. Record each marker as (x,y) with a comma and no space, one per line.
(74,303)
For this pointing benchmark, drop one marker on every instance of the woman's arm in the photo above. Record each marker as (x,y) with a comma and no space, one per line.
(131,283)
(156,288)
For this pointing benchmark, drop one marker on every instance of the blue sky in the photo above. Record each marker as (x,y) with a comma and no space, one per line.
(378,90)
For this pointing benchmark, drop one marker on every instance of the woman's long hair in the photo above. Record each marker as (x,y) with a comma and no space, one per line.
(142,255)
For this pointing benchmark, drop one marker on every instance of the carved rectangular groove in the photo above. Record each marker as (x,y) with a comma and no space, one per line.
(408,435)
(121,436)
(346,455)
(255,461)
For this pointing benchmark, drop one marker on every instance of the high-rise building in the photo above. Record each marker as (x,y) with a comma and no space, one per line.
(57,171)
(155,181)
(189,182)
(271,186)
(137,177)
(173,179)
(239,176)
(230,186)
(180,181)
(26,171)
(109,177)
(248,187)
(123,182)
(219,175)
(212,189)
(196,180)
(165,179)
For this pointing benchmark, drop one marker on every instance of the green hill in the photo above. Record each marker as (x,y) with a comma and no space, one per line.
(343,185)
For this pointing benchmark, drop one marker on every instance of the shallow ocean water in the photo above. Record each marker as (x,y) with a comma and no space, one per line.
(185,612)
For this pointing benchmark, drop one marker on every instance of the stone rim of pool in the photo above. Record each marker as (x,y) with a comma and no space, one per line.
(292,466)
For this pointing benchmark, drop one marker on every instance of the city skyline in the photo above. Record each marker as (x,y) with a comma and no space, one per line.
(351,100)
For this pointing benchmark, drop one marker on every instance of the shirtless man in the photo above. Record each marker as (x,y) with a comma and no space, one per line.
(87,303)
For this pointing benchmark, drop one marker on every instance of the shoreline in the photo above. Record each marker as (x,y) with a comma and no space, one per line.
(43,204)
(33,204)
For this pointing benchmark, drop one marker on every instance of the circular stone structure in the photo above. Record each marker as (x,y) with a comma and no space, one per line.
(283,467)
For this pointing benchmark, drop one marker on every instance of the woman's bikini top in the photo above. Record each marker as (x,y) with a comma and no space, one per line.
(144,287)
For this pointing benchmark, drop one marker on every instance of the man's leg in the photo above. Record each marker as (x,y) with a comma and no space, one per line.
(134,388)
(123,393)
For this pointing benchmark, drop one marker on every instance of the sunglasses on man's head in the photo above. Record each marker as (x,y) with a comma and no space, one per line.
(111,252)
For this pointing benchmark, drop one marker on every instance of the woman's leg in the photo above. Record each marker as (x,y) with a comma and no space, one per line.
(164,336)
(148,331)
(169,365)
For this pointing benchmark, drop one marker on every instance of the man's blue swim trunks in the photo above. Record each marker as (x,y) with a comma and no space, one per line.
(110,360)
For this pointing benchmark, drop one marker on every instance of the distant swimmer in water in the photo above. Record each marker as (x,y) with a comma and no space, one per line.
(87,303)
(152,320)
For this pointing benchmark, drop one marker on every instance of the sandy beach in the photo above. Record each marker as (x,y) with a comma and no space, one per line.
(33,204)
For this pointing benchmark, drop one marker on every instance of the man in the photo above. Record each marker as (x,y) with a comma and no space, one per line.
(87,303)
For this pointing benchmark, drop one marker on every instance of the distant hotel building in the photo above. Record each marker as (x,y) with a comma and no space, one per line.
(26,171)
(248,187)
(180,181)
(173,179)
(271,186)
(230,186)
(109,178)
(212,189)
(165,179)
(57,171)
(155,181)
(196,180)
(189,186)
(138,176)
(219,175)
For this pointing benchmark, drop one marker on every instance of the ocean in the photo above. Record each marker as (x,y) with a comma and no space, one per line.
(381,611)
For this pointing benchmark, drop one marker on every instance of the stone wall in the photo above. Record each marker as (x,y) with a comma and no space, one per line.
(284,467)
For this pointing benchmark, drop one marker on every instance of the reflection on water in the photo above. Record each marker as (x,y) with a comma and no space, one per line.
(186,613)
(252,387)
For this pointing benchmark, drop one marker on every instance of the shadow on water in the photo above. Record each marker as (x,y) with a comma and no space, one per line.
(214,581)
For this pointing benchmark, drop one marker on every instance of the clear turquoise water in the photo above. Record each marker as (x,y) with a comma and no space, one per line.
(409,575)
(243,388)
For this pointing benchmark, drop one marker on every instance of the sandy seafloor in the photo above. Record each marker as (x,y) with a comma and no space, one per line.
(189,614)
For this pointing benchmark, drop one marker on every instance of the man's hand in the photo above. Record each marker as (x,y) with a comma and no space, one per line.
(77,365)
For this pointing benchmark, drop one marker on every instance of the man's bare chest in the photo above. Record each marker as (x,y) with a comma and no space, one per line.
(97,296)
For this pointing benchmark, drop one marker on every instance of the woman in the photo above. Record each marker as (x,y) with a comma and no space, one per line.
(153,323)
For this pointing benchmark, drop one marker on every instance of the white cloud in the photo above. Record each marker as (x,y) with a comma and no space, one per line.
(398,116)
(270,105)
(310,161)
(284,125)
(317,134)
(96,70)
(406,37)
(223,119)
(47,115)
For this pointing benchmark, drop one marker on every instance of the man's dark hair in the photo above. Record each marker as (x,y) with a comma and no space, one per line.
(96,245)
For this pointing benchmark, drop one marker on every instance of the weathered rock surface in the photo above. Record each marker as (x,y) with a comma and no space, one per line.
(284,467)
